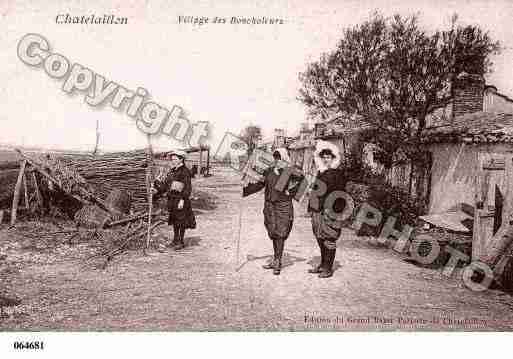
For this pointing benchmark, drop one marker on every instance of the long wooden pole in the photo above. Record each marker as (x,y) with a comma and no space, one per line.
(237,250)
(17,188)
(95,151)
(208,161)
(150,193)
(200,160)
(25,191)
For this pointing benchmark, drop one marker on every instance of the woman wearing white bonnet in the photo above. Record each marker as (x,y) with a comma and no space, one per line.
(325,226)
(177,186)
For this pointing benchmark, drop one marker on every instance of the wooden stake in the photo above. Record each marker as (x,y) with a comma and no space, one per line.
(38,194)
(95,151)
(149,187)
(200,161)
(25,190)
(16,197)
(208,161)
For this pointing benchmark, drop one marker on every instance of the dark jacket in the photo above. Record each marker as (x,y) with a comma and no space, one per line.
(278,209)
(184,216)
(270,183)
(334,180)
(325,225)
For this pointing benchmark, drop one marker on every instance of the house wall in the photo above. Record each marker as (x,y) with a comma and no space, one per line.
(452,175)
(455,170)
(493,102)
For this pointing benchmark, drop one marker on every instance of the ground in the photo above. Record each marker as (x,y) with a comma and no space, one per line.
(206,287)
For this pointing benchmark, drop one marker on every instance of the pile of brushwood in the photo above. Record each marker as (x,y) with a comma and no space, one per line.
(55,183)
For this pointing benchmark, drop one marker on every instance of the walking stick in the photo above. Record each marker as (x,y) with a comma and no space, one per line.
(237,251)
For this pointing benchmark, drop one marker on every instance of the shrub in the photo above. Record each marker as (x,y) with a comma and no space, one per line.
(367,186)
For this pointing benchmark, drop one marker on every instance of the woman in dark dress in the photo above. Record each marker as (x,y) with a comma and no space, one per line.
(278,209)
(177,185)
(325,225)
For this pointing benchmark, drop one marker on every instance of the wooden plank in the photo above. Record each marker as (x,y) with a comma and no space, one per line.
(17,188)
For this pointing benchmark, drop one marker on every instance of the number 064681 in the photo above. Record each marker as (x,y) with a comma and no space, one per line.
(28,345)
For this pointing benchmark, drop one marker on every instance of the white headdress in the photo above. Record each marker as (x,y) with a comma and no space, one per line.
(324,145)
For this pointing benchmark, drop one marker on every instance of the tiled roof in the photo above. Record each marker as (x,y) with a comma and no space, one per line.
(340,126)
(479,127)
(304,143)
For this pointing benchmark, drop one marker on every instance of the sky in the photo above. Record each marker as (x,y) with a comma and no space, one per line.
(229,75)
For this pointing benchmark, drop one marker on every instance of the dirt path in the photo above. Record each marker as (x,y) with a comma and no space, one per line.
(205,288)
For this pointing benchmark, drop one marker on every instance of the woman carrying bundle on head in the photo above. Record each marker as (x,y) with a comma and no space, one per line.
(326,204)
(278,209)
(177,185)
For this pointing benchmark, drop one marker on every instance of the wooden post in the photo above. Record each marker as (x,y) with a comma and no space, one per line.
(38,194)
(25,191)
(208,160)
(200,160)
(149,189)
(16,196)
(1,215)
(95,151)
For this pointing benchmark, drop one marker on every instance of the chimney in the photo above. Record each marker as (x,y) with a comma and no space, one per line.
(467,92)
(304,127)
(279,137)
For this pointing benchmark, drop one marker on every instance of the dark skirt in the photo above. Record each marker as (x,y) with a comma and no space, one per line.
(278,219)
(182,217)
(324,228)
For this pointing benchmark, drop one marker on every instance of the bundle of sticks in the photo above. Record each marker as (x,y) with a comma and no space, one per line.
(132,235)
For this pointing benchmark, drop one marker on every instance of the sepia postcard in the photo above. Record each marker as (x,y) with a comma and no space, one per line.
(255,166)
